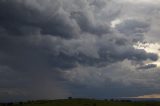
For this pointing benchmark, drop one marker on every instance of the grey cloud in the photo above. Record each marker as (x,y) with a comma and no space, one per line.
(19,17)
(97,49)
(86,25)
(133,28)
(20,86)
(124,72)
(54,44)
(148,66)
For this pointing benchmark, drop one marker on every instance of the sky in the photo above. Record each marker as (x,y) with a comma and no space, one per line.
(53,49)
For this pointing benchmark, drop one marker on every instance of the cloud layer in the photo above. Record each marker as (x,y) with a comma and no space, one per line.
(54,49)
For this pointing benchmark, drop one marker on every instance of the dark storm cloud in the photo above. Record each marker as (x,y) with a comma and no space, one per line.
(134,29)
(46,46)
(24,17)
(86,25)
(148,66)
(130,27)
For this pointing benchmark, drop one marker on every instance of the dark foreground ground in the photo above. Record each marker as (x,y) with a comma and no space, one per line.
(83,102)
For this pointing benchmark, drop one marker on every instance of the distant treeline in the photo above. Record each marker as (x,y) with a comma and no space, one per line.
(82,102)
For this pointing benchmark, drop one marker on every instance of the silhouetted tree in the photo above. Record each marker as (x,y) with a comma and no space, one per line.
(106,100)
(69,98)
(112,100)
(9,104)
(20,103)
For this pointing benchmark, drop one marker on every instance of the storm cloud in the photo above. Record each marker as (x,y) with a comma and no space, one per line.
(54,49)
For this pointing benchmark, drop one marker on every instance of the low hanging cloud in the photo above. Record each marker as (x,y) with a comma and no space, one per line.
(69,48)
(124,73)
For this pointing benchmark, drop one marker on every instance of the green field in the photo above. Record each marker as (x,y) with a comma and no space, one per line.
(82,102)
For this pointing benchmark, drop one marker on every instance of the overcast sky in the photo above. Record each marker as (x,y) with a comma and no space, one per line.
(53,49)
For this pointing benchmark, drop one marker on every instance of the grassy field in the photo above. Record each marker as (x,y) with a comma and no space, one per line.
(82,102)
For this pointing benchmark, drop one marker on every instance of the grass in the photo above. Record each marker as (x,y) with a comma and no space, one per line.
(82,102)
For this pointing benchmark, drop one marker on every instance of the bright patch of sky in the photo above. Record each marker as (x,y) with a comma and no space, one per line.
(150,48)
(140,1)
(115,22)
